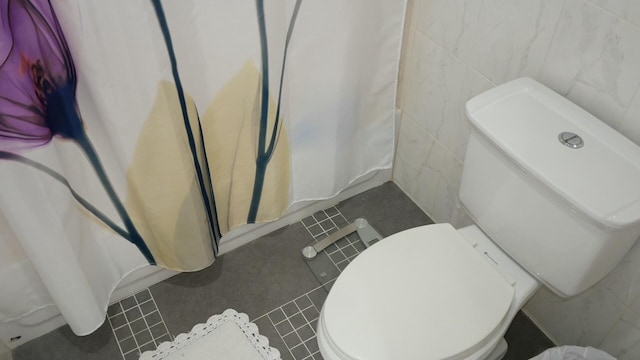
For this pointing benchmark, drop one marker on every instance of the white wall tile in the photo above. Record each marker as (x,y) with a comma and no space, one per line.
(630,125)
(593,60)
(582,320)
(449,23)
(511,37)
(454,128)
(420,185)
(414,143)
(438,86)
(446,204)
(501,39)
(627,9)
(406,177)
(411,171)
(433,75)
(622,342)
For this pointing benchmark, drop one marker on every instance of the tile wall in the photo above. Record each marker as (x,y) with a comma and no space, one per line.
(589,51)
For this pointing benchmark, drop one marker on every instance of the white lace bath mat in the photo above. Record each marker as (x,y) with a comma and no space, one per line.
(228,336)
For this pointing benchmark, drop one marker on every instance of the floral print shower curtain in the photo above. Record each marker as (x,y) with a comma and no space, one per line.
(139,132)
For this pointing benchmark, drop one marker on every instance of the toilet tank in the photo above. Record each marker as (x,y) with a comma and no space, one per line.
(567,213)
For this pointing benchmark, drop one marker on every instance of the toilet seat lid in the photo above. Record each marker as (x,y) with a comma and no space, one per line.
(456,299)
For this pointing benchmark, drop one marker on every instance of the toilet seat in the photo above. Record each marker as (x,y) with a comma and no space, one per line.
(423,293)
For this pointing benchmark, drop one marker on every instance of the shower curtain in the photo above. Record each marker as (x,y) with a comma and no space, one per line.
(137,132)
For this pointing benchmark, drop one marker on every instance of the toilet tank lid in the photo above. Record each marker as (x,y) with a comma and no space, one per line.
(524,119)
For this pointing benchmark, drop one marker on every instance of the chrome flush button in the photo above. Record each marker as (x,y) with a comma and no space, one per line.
(571,140)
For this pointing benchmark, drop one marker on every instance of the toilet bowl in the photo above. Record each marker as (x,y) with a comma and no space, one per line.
(468,288)
(553,194)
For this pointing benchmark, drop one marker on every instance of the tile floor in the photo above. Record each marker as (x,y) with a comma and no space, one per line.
(268,279)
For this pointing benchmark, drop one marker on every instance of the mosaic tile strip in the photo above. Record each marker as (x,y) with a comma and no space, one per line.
(137,324)
(296,323)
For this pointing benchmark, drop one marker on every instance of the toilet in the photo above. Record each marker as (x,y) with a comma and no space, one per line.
(554,196)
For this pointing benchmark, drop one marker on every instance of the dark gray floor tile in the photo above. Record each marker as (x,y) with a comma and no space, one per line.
(309,221)
(297,320)
(318,296)
(154,318)
(158,330)
(118,321)
(132,355)
(128,303)
(277,316)
(123,332)
(332,211)
(305,332)
(286,355)
(291,339)
(143,296)
(127,345)
(137,326)
(300,352)
(114,309)
(147,307)
(315,230)
(303,302)
(320,216)
(524,338)
(312,344)
(284,327)
(133,314)
(266,329)
(254,279)
(63,344)
(386,207)
(327,225)
(143,337)
(342,265)
(310,313)
(337,257)
(290,308)
(349,251)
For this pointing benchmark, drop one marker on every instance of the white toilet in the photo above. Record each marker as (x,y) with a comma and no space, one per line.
(550,207)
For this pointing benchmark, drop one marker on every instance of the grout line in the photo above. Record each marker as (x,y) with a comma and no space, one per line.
(307,322)
(277,332)
(113,331)
(137,305)
(166,329)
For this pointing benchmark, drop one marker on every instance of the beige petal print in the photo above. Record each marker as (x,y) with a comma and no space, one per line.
(230,127)
(163,197)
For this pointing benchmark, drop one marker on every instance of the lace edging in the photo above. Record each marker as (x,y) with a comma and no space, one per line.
(250,330)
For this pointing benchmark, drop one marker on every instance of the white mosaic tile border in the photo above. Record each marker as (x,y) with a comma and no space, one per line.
(137,325)
(296,323)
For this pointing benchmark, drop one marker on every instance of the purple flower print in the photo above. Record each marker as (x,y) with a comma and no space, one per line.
(37,77)
(38,98)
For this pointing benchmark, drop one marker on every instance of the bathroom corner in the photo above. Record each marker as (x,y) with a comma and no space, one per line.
(587,51)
